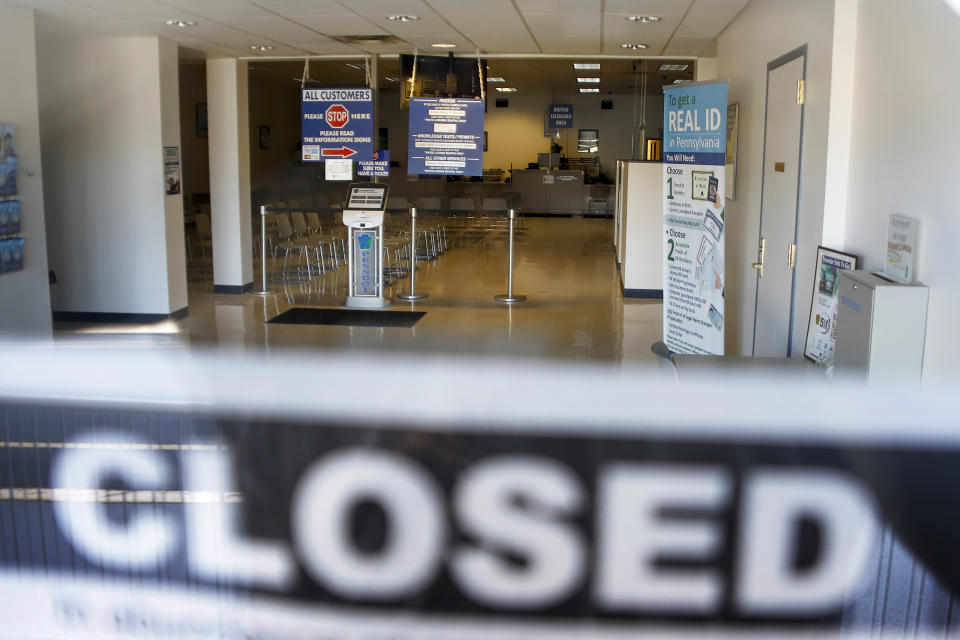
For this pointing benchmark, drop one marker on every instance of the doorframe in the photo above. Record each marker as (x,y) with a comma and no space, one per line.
(800,51)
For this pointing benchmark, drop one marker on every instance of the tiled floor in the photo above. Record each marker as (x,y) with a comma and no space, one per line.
(565,267)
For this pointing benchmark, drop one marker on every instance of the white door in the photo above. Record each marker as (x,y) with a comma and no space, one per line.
(779,207)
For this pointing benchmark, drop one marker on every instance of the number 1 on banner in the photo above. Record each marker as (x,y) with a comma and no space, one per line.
(670,183)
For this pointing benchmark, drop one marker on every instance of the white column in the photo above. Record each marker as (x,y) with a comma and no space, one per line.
(706,69)
(25,294)
(229,138)
(842,74)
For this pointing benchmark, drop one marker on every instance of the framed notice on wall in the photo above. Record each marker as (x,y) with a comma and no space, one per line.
(733,133)
(822,327)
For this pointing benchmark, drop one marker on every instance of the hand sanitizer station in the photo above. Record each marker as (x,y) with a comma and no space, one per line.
(363,216)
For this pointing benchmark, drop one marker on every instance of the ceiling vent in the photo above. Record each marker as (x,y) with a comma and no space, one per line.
(374,39)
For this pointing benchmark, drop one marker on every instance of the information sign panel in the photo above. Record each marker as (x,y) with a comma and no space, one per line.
(337,123)
(561,116)
(446,137)
(693,217)
(379,166)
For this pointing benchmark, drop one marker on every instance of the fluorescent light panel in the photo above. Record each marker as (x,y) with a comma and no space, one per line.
(674,67)
(588,80)
(495,79)
(506,89)
(584,90)
(586,65)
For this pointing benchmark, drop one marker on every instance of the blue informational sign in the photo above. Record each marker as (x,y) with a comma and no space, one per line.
(695,124)
(561,116)
(337,123)
(378,167)
(446,137)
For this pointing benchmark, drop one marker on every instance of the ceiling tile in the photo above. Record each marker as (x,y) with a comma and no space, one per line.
(219,9)
(272,27)
(340,25)
(558,6)
(303,7)
(662,8)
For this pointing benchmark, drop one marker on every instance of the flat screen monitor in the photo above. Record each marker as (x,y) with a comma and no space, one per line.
(368,196)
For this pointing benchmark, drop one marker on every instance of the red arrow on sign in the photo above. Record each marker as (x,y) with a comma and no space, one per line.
(343,152)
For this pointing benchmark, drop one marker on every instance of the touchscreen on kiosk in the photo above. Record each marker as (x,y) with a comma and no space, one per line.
(371,197)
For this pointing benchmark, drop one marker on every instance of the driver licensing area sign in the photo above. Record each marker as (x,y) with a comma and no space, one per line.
(337,124)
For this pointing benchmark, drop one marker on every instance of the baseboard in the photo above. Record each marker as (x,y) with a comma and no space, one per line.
(232,288)
(118,318)
(544,214)
(643,293)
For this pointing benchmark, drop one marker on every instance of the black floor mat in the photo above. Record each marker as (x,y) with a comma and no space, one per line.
(348,317)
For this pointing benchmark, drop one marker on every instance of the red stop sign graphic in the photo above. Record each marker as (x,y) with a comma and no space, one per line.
(337,116)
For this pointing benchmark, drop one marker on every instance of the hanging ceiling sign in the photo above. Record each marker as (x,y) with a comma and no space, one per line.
(446,136)
(337,124)
(561,116)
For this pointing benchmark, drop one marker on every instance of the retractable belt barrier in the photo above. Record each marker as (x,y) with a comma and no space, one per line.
(509,297)
(161,494)
(413,295)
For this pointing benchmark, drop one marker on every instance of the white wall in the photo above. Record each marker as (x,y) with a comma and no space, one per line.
(764,31)
(107,107)
(903,155)
(24,295)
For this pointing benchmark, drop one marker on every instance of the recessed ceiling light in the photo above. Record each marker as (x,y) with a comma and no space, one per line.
(403,18)
(673,67)
(586,65)
(584,90)
(506,89)
(644,19)
(444,45)
(262,47)
(495,80)
(183,24)
(354,66)
(589,80)
(392,79)
(634,46)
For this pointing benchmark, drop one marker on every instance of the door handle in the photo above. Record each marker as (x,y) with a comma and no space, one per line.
(792,256)
(763,254)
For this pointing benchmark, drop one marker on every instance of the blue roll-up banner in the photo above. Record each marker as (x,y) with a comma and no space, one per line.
(695,119)
(561,116)
(337,123)
(446,137)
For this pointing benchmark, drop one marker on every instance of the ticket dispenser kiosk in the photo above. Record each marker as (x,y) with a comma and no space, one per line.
(363,216)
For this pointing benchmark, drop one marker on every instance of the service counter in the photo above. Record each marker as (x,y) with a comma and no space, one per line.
(554,191)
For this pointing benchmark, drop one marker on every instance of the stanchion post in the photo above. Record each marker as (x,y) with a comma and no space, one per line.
(263,253)
(413,295)
(509,298)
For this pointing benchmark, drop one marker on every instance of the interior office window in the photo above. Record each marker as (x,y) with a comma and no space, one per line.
(588,141)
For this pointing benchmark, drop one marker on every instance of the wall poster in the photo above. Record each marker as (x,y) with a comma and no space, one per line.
(694,153)
(822,327)
(171,170)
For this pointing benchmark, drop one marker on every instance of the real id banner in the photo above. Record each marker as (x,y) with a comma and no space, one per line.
(693,217)
(446,137)
(337,124)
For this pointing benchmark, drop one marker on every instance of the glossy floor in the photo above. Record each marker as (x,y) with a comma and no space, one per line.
(565,267)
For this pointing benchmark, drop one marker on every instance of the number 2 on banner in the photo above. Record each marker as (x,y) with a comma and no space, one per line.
(670,254)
